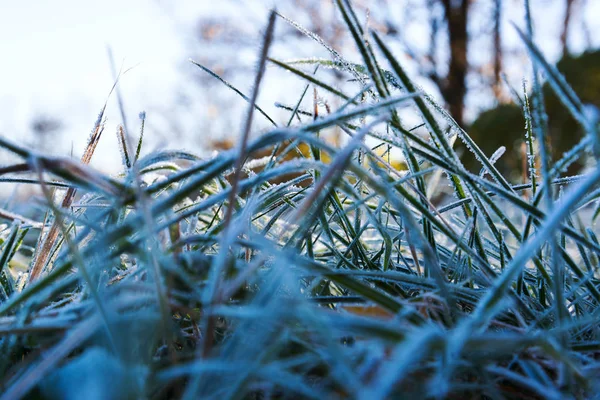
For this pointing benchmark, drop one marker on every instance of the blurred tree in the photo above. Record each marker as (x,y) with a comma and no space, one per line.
(43,125)
(44,128)
(455,46)
(443,22)
(566,22)
(505,124)
(453,85)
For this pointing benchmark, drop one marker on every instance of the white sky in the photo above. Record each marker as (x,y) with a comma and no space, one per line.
(55,61)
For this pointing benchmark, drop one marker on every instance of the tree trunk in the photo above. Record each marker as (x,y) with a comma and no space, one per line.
(566,23)
(497,49)
(454,89)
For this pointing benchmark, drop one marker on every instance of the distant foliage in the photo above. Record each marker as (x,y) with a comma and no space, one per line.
(505,124)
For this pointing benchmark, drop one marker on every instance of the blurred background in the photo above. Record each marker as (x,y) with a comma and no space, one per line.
(55,75)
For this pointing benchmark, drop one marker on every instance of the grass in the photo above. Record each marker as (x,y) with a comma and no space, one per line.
(346,280)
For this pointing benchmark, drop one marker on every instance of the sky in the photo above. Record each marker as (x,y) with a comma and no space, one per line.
(55,61)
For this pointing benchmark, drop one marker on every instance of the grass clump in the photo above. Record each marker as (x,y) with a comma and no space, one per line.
(344,280)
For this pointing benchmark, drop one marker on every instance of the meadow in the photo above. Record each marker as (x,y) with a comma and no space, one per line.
(314,270)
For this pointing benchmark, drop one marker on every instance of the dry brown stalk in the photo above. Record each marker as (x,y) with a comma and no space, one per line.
(47,243)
